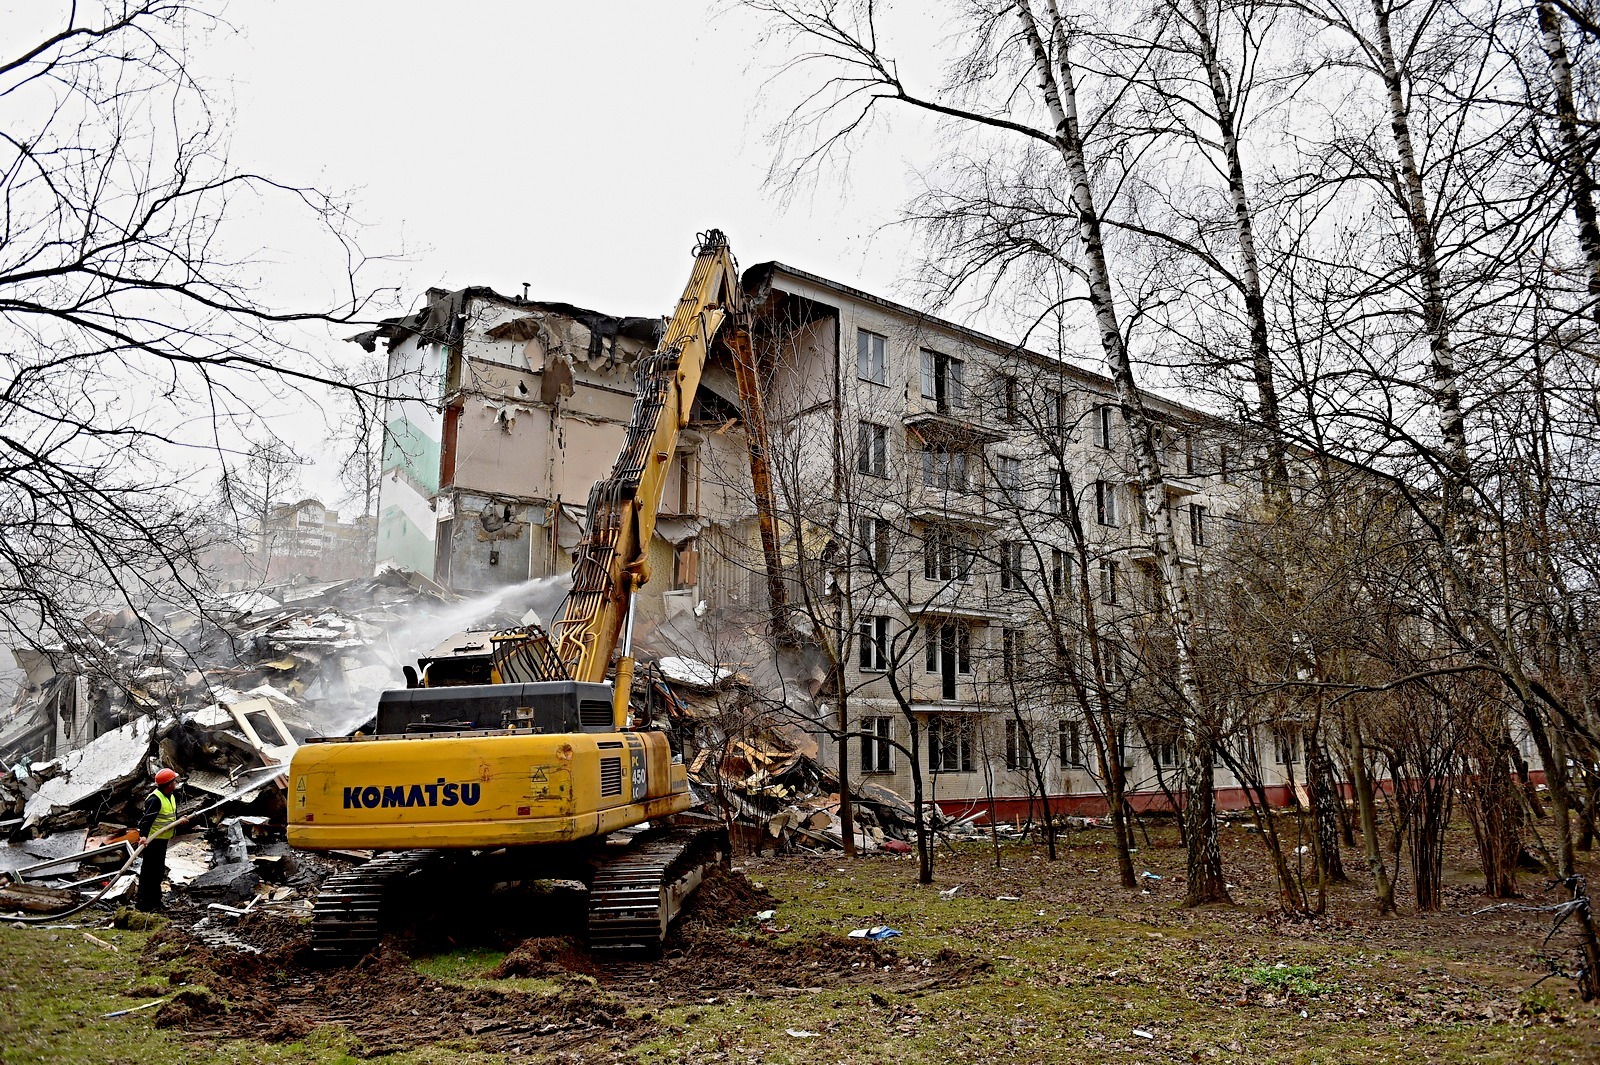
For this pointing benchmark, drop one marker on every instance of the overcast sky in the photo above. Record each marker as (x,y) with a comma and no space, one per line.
(576,147)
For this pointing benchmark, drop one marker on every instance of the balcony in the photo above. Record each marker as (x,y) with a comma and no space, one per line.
(1140,553)
(949,506)
(1177,485)
(953,424)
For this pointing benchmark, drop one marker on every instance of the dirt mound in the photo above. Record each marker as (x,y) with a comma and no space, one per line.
(283,993)
(724,899)
(546,956)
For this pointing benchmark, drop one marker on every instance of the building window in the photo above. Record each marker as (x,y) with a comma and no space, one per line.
(953,638)
(944,467)
(1164,751)
(877,756)
(1286,744)
(1108,581)
(1008,473)
(1010,399)
(1103,425)
(1014,744)
(1011,651)
(1060,571)
(1069,741)
(1225,464)
(946,555)
(1105,503)
(1197,524)
(873,643)
(1061,407)
(872,543)
(942,380)
(872,449)
(1188,453)
(1064,494)
(872,357)
(1011,566)
(949,744)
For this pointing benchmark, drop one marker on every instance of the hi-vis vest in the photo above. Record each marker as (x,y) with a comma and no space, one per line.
(161,827)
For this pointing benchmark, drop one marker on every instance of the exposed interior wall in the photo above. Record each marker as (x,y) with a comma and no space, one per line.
(413,430)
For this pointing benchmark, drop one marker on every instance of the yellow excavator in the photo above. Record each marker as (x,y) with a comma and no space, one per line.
(517,746)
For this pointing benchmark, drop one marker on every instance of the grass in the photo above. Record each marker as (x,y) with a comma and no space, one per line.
(1078,971)
(1284,979)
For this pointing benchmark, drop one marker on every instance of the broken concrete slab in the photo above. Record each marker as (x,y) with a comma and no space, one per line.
(188,859)
(691,672)
(236,880)
(109,761)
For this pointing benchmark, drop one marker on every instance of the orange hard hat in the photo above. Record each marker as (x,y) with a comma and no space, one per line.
(165,776)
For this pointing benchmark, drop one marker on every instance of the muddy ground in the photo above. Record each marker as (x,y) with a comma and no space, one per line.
(548,991)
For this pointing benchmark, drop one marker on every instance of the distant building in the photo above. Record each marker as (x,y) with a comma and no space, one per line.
(298,539)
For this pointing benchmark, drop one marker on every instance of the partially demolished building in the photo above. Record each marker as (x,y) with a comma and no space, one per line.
(924,473)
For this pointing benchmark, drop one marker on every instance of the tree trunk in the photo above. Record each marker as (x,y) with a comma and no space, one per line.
(924,837)
(1206,882)
(1574,157)
(1367,807)
(1325,805)
(842,722)
(1255,303)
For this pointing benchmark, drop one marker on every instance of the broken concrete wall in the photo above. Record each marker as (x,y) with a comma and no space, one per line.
(491,541)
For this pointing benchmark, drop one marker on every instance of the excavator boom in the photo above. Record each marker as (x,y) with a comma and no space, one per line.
(612,561)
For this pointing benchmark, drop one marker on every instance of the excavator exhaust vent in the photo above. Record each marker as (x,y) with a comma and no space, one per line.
(594,714)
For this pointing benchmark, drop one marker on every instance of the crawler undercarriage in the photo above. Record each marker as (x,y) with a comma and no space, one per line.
(636,884)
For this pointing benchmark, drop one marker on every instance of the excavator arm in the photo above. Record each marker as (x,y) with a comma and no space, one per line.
(612,561)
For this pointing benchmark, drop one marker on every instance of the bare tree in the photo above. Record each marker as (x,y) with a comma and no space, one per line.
(137,333)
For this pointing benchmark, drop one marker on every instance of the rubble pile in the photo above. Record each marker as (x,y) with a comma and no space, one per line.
(765,773)
(223,694)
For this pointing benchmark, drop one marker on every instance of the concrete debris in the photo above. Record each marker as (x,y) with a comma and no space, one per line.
(237,880)
(767,778)
(113,760)
(224,694)
(692,673)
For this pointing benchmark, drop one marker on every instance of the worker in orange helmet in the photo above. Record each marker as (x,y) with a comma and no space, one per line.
(155,829)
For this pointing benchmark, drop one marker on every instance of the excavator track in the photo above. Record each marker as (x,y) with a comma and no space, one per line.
(635,896)
(345,919)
